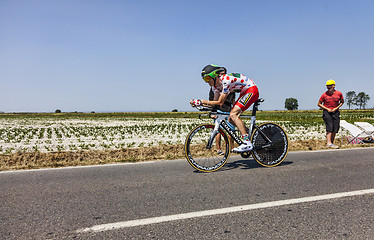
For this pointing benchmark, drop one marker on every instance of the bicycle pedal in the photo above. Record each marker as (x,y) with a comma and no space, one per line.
(233,151)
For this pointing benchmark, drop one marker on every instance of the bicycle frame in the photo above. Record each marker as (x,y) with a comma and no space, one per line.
(270,142)
(220,122)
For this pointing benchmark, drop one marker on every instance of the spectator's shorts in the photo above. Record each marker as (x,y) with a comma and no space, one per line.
(332,121)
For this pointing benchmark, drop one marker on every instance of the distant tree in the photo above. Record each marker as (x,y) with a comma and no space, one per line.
(174,110)
(93,112)
(350,98)
(362,99)
(291,104)
(58,111)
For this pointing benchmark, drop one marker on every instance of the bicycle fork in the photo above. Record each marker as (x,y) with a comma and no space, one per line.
(214,132)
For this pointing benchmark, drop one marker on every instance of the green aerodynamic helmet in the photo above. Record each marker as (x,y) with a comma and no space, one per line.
(211,71)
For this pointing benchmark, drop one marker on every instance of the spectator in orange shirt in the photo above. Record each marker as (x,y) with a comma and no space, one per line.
(330,102)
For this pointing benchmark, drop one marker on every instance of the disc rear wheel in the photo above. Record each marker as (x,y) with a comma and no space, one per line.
(269,154)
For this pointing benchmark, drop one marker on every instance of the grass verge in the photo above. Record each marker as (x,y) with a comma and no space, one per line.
(36,160)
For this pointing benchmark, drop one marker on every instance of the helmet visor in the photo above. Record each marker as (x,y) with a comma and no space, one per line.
(207,78)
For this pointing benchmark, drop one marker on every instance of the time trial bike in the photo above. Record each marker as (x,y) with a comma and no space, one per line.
(270,141)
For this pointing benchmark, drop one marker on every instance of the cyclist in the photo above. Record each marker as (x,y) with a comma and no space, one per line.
(222,84)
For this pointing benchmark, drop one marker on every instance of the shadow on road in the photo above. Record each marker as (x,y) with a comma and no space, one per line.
(245,164)
(248,164)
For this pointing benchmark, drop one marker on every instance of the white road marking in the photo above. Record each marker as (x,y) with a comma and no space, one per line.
(148,221)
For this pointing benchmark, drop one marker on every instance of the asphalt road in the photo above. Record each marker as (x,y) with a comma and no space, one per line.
(67,203)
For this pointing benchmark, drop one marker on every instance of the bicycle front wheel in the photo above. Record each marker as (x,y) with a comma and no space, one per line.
(269,154)
(199,155)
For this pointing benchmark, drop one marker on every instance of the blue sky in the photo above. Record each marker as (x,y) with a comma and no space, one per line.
(118,55)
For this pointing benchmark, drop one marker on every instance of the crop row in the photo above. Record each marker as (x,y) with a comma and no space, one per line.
(47,135)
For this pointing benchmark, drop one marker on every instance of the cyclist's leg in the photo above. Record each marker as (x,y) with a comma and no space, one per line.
(245,100)
(246,145)
(235,113)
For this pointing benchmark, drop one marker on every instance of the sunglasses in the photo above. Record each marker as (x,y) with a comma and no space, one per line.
(207,79)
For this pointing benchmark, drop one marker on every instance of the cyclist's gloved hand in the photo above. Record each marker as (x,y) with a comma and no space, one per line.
(196,102)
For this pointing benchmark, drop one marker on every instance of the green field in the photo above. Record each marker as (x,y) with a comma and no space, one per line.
(298,115)
(34,140)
